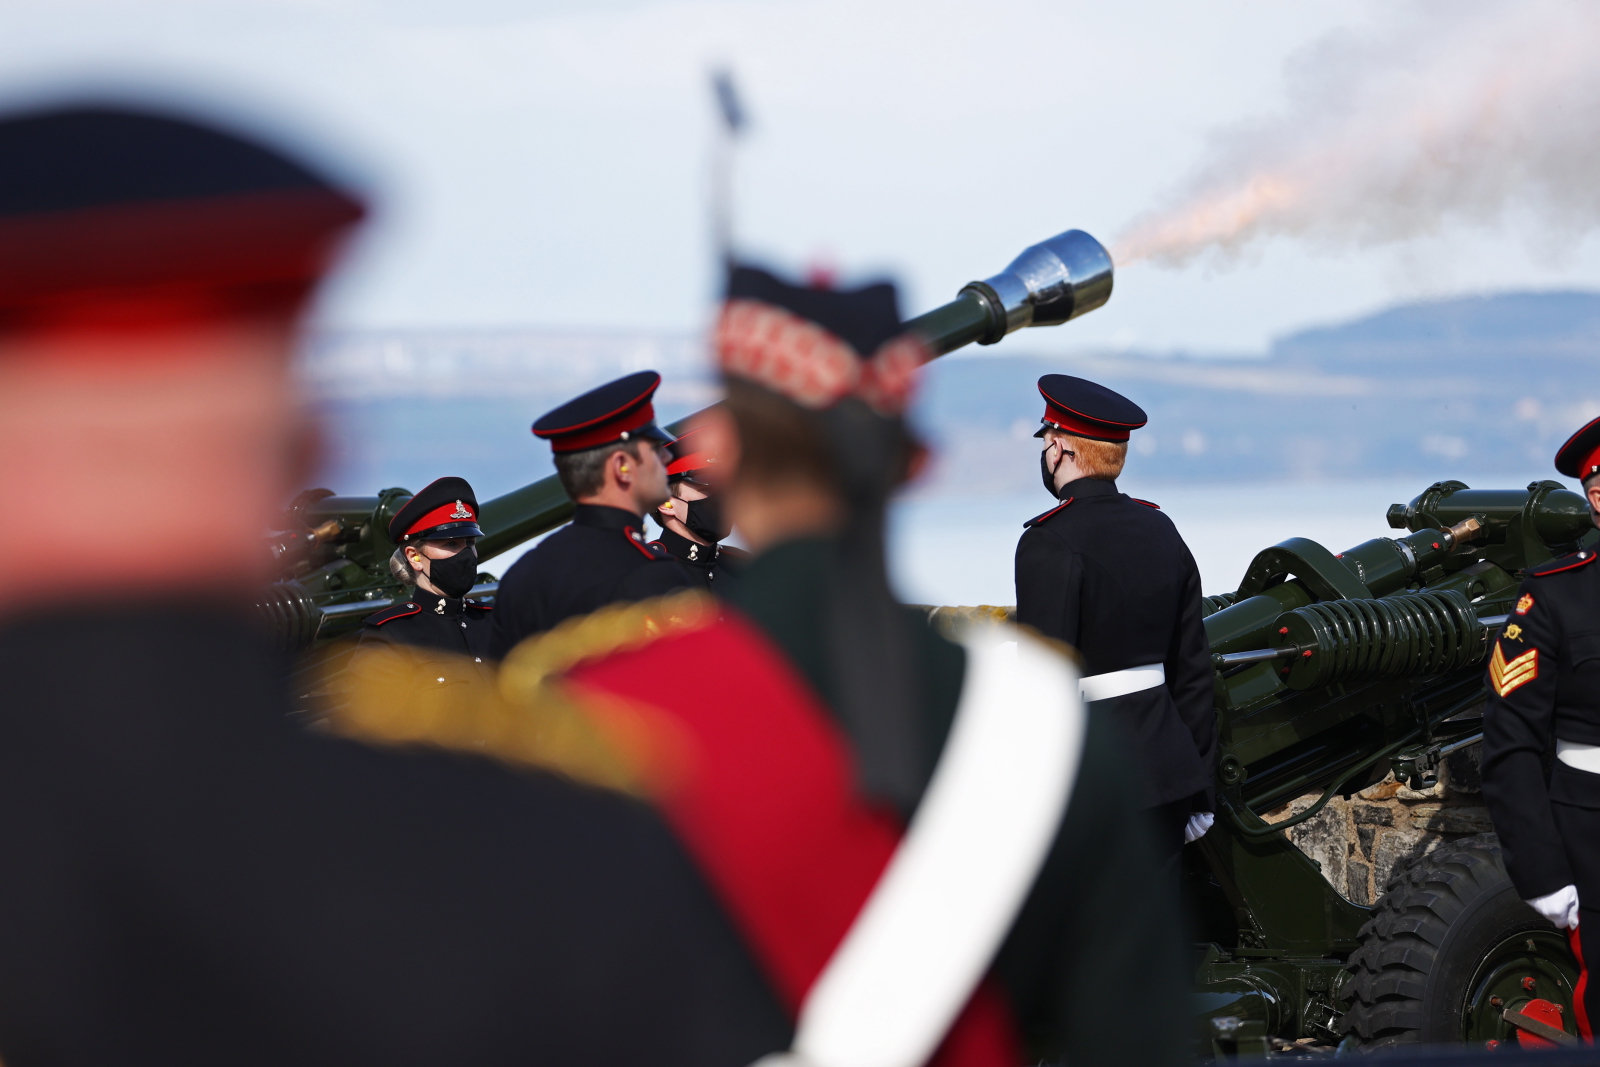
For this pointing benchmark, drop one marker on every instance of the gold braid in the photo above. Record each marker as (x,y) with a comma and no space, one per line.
(531,718)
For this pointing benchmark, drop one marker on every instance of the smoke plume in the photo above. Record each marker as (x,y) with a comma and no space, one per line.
(1475,113)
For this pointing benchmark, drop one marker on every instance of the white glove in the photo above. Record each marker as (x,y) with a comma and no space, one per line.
(1560,907)
(1201,821)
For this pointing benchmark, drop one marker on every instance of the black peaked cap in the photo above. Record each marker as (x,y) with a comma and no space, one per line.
(1088,409)
(66,159)
(863,318)
(1577,458)
(444,509)
(617,411)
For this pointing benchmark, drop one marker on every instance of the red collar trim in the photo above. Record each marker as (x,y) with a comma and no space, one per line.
(1040,518)
(636,539)
(1589,558)
(376,621)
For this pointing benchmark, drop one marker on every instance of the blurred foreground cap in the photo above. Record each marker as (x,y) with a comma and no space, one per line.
(690,454)
(1580,456)
(445,509)
(1084,409)
(817,346)
(118,217)
(617,411)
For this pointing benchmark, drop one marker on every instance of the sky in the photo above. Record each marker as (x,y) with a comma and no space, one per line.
(545,164)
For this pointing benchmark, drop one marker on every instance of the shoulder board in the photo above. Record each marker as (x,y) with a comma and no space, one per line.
(1146,503)
(1565,563)
(649,549)
(394,611)
(1037,519)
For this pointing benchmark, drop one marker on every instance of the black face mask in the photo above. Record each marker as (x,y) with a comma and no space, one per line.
(456,575)
(1046,473)
(704,519)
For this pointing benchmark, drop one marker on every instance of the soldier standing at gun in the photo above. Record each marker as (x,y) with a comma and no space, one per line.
(443,628)
(693,522)
(1544,693)
(1109,575)
(612,460)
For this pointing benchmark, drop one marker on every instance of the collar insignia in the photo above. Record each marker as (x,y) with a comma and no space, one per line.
(694,551)
(438,609)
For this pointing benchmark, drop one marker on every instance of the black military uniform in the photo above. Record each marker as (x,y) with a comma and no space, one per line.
(602,557)
(1109,575)
(710,562)
(187,877)
(446,635)
(1544,694)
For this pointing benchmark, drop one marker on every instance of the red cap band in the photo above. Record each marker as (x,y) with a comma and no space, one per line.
(153,264)
(1074,423)
(603,431)
(451,512)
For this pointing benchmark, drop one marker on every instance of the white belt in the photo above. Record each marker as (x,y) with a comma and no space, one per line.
(1121,683)
(942,907)
(1581,757)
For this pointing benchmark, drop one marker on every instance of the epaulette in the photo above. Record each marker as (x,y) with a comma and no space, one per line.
(650,549)
(1146,503)
(531,718)
(394,611)
(1565,563)
(1037,519)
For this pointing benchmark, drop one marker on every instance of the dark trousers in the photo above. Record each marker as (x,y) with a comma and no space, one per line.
(1167,822)
(1580,833)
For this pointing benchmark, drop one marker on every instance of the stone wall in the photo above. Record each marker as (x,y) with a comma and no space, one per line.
(1363,842)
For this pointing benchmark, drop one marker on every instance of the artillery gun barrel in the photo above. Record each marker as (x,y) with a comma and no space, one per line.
(333,550)
(1048,284)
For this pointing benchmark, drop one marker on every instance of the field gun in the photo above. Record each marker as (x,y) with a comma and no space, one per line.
(1332,671)
(333,551)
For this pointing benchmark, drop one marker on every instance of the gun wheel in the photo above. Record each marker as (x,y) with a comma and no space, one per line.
(1449,949)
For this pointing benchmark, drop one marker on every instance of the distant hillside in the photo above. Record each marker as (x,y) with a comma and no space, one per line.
(1490,384)
(1558,325)
(1427,391)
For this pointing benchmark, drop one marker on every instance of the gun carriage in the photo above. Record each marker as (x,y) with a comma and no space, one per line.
(1332,671)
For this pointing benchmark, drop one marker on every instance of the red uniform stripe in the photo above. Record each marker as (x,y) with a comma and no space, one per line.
(1581,990)
(767,804)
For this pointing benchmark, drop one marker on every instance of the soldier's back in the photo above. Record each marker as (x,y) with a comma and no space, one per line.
(189,878)
(600,558)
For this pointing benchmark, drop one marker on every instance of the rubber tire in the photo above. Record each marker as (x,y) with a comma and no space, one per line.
(1434,924)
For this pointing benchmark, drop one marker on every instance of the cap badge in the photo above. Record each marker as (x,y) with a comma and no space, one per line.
(461,511)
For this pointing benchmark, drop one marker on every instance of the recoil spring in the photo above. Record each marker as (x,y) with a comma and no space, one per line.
(1405,635)
(290,615)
